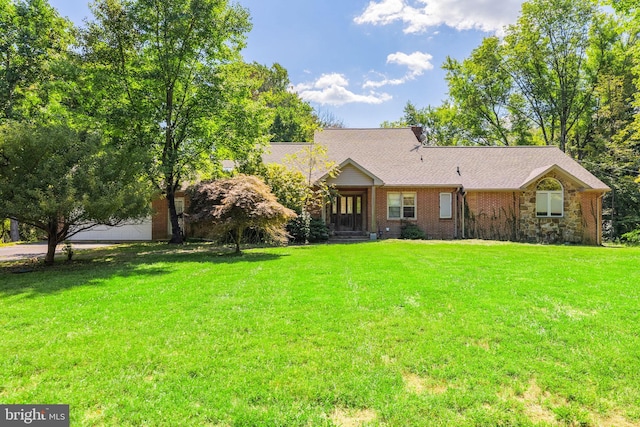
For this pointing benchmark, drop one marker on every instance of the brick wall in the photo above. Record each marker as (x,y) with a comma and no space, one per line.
(160,223)
(591,218)
(492,215)
(427,213)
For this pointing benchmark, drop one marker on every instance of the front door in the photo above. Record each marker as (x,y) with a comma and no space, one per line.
(346,213)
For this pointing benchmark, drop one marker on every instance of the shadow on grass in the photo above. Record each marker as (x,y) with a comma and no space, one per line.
(93,267)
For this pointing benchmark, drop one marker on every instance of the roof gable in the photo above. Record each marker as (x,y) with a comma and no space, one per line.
(351,173)
(545,170)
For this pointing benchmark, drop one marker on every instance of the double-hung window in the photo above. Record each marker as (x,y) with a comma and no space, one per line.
(549,198)
(401,205)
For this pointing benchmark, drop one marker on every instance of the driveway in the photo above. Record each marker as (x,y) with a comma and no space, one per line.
(33,250)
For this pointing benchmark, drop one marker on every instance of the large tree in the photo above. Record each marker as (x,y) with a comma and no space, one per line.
(62,181)
(159,65)
(34,39)
(546,56)
(483,94)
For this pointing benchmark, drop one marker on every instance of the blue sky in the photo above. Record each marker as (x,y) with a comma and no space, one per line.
(362,60)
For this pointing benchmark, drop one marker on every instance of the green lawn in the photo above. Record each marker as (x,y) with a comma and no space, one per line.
(382,333)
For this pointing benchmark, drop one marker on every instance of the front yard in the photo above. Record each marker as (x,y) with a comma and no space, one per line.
(383,333)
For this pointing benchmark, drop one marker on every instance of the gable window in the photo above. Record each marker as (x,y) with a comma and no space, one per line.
(549,198)
(401,205)
(445,205)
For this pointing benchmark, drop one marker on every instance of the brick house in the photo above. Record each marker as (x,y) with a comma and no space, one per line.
(389,178)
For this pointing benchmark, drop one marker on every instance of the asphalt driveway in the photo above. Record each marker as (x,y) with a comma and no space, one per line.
(38,250)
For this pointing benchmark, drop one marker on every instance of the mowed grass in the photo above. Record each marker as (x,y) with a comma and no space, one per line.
(383,333)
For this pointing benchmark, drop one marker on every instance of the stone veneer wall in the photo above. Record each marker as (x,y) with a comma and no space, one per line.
(568,228)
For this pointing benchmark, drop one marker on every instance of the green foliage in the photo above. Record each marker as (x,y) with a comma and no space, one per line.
(166,79)
(288,185)
(299,228)
(63,181)
(291,118)
(411,231)
(631,238)
(4,231)
(34,42)
(231,206)
(483,94)
(313,162)
(318,231)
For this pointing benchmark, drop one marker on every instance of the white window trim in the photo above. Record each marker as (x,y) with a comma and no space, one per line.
(548,195)
(447,203)
(402,196)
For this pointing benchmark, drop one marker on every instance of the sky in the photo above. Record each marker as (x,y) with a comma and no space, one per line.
(361,61)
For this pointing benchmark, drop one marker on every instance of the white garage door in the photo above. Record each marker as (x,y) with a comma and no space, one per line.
(140,231)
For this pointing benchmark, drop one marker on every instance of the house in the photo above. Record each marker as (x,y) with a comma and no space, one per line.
(388,178)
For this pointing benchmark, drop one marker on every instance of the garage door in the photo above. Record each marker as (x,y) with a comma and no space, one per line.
(139,231)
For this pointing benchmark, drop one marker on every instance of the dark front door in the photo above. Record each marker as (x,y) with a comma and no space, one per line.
(346,213)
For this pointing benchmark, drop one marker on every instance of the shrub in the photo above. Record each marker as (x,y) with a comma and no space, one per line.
(412,232)
(299,228)
(631,238)
(318,231)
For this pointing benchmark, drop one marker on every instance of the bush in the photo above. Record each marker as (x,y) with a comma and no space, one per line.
(412,232)
(631,238)
(318,231)
(306,229)
(299,228)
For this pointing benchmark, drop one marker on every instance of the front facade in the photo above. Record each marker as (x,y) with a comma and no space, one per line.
(387,179)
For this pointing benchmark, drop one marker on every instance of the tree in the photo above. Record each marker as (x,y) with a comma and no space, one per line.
(231,206)
(482,92)
(33,40)
(63,181)
(546,56)
(440,125)
(160,68)
(292,119)
(288,185)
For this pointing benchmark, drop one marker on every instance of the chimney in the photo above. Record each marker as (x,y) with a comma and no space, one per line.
(417,131)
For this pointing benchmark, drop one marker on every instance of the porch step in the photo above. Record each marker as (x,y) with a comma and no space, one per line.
(349,237)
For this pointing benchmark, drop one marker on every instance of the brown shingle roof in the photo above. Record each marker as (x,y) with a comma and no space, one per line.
(397,158)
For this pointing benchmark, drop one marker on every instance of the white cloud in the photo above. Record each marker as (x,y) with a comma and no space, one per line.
(332,89)
(419,15)
(417,62)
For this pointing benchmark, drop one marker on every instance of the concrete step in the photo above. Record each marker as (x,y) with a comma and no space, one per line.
(349,237)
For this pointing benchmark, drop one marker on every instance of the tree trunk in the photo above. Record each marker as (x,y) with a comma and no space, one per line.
(14,231)
(238,237)
(52,243)
(176,233)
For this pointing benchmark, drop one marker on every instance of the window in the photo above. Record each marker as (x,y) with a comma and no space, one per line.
(549,198)
(445,205)
(401,205)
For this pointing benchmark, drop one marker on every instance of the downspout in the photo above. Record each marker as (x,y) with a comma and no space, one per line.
(374,224)
(463,203)
(455,218)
